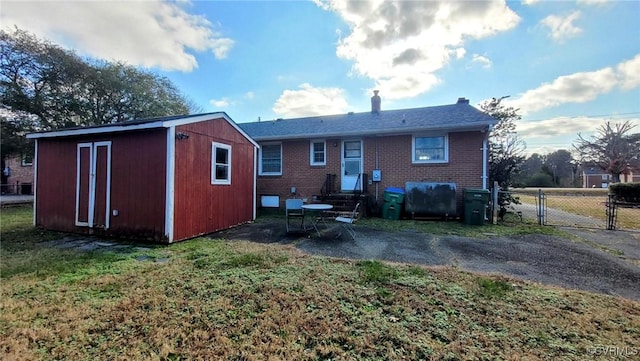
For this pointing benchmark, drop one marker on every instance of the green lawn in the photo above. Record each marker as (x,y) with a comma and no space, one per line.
(213,299)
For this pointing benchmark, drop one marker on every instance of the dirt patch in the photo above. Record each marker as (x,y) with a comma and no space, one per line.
(539,258)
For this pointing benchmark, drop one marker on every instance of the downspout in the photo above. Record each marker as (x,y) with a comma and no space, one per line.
(485,159)
(255,181)
(170,186)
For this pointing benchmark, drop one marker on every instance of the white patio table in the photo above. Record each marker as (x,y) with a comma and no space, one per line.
(318,209)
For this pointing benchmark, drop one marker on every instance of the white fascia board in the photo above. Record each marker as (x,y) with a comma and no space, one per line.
(99,130)
(178,122)
(124,127)
(192,119)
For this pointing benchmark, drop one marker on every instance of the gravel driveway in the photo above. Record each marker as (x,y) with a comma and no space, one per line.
(581,265)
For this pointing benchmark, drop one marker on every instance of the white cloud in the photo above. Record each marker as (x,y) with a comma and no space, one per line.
(546,136)
(558,126)
(309,101)
(220,103)
(402,44)
(574,88)
(580,87)
(249,95)
(629,73)
(143,33)
(562,28)
(482,60)
(593,2)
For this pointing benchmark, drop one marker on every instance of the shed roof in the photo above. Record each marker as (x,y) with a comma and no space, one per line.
(138,124)
(453,117)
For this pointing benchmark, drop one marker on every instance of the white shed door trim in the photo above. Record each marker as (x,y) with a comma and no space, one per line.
(88,174)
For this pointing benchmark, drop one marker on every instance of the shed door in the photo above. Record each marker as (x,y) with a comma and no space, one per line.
(351,165)
(93,184)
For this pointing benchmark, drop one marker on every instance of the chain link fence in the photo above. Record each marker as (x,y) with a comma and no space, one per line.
(569,207)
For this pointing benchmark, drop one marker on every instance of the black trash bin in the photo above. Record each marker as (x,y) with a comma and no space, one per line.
(475,205)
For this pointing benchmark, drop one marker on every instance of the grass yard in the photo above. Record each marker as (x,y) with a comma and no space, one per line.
(214,299)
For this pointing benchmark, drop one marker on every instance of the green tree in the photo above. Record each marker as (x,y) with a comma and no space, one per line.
(540,179)
(530,166)
(54,88)
(39,78)
(506,153)
(612,148)
(64,90)
(561,167)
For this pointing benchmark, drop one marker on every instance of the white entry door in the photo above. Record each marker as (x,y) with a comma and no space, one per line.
(351,165)
(93,184)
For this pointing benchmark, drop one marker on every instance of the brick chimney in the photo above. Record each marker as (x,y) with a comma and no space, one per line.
(375,102)
(463,101)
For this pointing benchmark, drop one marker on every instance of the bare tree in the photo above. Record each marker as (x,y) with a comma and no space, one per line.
(612,148)
(506,147)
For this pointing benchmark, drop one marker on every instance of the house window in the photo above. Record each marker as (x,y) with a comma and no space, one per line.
(220,163)
(430,149)
(271,159)
(318,152)
(27,160)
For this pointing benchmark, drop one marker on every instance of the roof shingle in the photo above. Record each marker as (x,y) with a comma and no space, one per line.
(454,117)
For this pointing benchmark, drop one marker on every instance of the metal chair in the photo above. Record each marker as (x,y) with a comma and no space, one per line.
(348,221)
(294,210)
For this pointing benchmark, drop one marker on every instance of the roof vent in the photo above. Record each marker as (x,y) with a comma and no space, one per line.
(375,102)
(463,101)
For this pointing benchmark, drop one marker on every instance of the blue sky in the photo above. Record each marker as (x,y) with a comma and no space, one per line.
(568,66)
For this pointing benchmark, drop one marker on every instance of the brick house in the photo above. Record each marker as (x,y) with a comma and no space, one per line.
(370,151)
(595,177)
(17,177)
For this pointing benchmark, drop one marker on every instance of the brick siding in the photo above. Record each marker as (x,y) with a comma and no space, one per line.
(393,159)
(19,175)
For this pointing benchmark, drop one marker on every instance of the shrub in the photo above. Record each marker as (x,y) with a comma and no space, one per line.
(626,192)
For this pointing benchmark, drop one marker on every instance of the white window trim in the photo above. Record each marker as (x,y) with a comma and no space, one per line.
(215,181)
(260,160)
(437,161)
(25,163)
(311,151)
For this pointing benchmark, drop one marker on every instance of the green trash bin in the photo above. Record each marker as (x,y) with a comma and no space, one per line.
(393,195)
(391,210)
(475,205)
(392,206)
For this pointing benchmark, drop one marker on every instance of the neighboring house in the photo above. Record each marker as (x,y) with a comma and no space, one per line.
(163,179)
(595,177)
(17,177)
(368,152)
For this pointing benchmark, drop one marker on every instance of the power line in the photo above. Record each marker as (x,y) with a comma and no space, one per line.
(616,116)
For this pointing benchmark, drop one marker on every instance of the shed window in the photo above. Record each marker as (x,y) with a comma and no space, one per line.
(430,149)
(220,163)
(271,159)
(318,152)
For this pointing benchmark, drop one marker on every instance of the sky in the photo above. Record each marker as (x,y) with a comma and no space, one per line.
(568,66)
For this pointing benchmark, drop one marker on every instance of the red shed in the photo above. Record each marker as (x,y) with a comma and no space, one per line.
(162,179)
